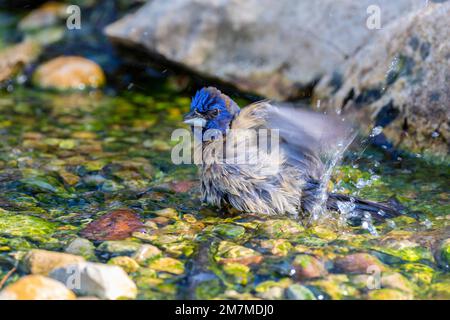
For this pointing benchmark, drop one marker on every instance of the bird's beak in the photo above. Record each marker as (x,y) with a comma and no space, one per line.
(193,119)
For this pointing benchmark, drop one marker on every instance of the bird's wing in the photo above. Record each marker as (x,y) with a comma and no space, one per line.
(307,138)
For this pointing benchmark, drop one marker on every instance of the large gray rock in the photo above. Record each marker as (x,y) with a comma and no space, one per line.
(400,81)
(274,48)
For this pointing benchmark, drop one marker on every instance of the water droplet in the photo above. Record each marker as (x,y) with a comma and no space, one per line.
(376,131)
(391,224)
(427,223)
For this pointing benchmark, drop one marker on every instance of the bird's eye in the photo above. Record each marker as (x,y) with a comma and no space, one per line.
(215,112)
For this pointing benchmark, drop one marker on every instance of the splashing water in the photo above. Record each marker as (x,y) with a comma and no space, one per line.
(319,209)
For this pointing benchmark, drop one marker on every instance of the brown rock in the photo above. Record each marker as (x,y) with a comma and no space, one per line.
(182,186)
(46,15)
(14,58)
(308,267)
(36,287)
(358,263)
(38,261)
(70,72)
(116,225)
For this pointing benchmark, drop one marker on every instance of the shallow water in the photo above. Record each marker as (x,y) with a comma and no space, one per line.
(66,159)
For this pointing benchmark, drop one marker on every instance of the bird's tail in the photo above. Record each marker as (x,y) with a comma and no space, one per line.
(357,208)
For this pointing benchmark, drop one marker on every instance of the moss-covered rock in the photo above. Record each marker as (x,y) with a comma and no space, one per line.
(119,248)
(229,252)
(443,254)
(128,264)
(298,292)
(169,265)
(388,294)
(308,267)
(278,247)
(239,273)
(229,230)
(406,250)
(280,228)
(20,225)
(146,252)
(418,273)
(272,290)
(81,247)
(335,287)
(358,263)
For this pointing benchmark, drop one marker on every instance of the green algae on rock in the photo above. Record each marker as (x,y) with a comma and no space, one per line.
(126,263)
(229,252)
(280,228)
(239,273)
(308,267)
(298,292)
(169,265)
(229,230)
(388,294)
(278,247)
(34,228)
(443,254)
(119,248)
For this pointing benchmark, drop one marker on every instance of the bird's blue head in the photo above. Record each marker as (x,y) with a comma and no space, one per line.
(211,109)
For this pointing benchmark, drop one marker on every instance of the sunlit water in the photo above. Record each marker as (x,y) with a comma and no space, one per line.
(69,158)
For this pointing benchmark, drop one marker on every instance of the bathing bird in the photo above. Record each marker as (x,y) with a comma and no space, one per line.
(271,159)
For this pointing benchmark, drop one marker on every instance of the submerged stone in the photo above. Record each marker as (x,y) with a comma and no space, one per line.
(229,230)
(358,263)
(272,290)
(336,287)
(443,254)
(278,247)
(36,287)
(239,273)
(20,225)
(406,250)
(116,225)
(146,252)
(298,292)
(229,252)
(308,267)
(126,263)
(280,228)
(418,273)
(169,265)
(81,247)
(388,294)
(121,248)
(208,289)
(170,213)
(95,279)
(38,261)
(395,280)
